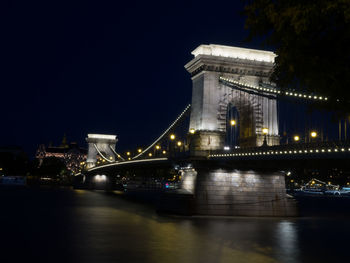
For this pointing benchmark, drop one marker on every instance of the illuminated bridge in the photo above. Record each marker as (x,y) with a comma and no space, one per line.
(231,151)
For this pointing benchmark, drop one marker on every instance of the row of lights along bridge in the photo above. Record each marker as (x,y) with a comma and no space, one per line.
(158,150)
(265,131)
(179,144)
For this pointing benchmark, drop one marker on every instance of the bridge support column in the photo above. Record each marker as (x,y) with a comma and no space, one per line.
(213,98)
(241,193)
(203,142)
(100,145)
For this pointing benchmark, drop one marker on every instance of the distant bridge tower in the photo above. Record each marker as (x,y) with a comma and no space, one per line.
(102,145)
(212,99)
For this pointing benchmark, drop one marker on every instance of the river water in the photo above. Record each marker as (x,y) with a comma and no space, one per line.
(65,225)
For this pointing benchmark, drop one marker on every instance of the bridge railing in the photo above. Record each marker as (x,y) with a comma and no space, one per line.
(293,148)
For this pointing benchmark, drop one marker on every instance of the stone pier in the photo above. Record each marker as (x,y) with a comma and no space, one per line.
(238,193)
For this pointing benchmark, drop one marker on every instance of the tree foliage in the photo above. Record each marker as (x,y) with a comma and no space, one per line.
(311,39)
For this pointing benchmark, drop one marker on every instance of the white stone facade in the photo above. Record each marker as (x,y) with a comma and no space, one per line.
(102,145)
(211,98)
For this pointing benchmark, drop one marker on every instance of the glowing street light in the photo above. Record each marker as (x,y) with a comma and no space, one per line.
(179,143)
(233,122)
(157,147)
(172,137)
(150,154)
(313,134)
(164,152)
(296,138)
(128,153)
(139,150)
(265,131)
(192,131)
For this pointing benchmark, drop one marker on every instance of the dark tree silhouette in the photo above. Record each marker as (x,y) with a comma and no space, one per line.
(311,39)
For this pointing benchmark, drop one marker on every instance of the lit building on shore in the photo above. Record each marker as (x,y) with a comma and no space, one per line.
(70,153)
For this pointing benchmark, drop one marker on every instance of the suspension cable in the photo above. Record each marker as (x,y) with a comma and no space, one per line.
(101,154)
(165,132)
(116,154)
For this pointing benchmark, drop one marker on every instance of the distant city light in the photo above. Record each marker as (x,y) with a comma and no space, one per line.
(192,131)
(313,134)
(226,148)
(233,122)
(265,130)
(172,137)
(296,138)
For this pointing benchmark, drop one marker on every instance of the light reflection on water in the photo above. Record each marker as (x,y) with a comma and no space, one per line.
(286,236)
(85,226)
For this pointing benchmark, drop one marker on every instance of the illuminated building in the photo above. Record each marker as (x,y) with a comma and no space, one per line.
(71,154)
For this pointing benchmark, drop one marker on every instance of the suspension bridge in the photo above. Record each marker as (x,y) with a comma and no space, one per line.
(230,149)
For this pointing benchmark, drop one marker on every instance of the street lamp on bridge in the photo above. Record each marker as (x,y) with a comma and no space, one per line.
(265,131)
(313,134)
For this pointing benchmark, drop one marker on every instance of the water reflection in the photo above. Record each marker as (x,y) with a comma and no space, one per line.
(86,226)
(286,235)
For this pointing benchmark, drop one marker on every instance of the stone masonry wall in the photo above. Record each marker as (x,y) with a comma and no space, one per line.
(241,193)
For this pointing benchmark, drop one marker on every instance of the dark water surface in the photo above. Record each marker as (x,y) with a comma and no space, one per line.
(65,225)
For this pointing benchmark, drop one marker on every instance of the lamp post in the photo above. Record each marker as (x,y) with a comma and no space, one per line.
(265,132)
(296,138)
(171,146)
(313,135)
(233,131)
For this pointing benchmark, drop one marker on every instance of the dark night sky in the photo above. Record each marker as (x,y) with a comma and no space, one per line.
(81,67)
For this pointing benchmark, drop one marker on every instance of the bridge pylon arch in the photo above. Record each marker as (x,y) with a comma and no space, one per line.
(209,68)
(102,145)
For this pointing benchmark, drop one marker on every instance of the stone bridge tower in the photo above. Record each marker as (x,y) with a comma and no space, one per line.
(102,145)
(211,98)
